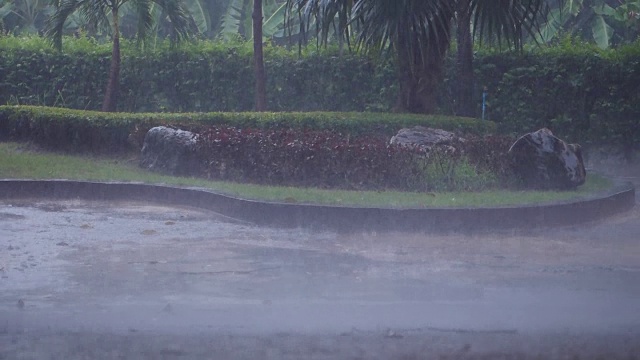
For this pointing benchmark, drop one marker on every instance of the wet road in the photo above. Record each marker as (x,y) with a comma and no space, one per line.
(137,273)
(129,280)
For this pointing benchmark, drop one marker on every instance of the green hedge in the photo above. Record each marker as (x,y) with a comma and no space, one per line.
(202,76)
(583,94)
(80,130)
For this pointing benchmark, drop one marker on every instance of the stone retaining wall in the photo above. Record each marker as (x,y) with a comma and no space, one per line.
(339,218)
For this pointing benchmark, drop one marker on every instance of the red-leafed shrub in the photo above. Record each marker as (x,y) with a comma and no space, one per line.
(308,158)
(490,153)
(329,159)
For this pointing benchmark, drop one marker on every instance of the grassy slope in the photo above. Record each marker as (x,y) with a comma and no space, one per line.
(18,162)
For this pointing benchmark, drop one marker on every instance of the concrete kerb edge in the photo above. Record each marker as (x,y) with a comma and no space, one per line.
(339,218)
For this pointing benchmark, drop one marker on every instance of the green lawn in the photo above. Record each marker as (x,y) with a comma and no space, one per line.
(17,161)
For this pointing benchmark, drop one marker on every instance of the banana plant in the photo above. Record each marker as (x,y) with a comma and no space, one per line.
(6,8)
(161,24)
(600,21)
(236,21)
(107,14)
(24,16)
(629,14)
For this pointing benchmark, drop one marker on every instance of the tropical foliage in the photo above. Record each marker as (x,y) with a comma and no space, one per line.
(105,14)
(92,131)
(605,22)
(23,16)
(418,34)
(227,19)
(582,93)
(330,159)
(236,19)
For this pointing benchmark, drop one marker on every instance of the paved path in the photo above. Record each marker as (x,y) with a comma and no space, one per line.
(128,280)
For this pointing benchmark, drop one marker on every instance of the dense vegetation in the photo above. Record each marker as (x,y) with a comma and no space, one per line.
(82,131)
(203,76)
(23,161)
(582,93)
(329,159)
(326,150)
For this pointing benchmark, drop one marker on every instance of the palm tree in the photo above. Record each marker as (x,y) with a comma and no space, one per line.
(505,21)
(97,12)
(604,22)
(418,34)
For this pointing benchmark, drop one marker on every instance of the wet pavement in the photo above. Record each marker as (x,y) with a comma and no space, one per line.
(83,279)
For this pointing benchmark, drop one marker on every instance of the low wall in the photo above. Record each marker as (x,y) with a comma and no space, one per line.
(339,218)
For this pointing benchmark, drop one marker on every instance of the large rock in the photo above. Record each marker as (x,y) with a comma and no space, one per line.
(425,138)
(170,151)
(543,161)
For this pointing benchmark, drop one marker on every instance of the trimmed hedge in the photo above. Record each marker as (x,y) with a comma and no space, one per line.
(583,94)
(79,130)
(203,76)
(329,159)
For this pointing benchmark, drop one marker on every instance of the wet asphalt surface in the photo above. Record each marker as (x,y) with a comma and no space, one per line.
(84,280)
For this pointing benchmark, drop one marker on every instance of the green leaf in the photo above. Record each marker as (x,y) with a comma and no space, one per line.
(604,10)
(231,19)
(552,28)
(6,9)
(573,7)
(200,15)
(601,31)
(275,21)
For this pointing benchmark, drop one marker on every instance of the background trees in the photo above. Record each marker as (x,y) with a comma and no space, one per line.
(503,22)
(98,11)
(236,19)
(605,22)
(232,18)
(418,33)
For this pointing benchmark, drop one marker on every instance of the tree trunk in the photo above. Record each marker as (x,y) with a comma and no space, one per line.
(110,102)
(258,58)
(420,75)
(464,61)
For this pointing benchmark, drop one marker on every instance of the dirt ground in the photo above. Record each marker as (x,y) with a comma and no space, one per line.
(124,280)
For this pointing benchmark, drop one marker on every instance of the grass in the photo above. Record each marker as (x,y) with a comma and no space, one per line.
(19,161)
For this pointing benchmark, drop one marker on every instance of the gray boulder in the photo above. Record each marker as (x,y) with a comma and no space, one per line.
(425,138)
(542,161)
(170,151)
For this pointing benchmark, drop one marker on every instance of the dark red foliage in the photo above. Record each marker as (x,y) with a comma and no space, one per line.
(312,158)
(490,153)
(329,159)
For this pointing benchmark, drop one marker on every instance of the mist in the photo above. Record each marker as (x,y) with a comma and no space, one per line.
(149,280)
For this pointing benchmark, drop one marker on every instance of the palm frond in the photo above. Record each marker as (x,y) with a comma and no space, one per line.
(200,15)
(55,24)
(508,21)
(144,15)
(325,17)
(231,22)
(418,26)
(182,25)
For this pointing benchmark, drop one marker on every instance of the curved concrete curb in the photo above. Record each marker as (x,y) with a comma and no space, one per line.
(617,200)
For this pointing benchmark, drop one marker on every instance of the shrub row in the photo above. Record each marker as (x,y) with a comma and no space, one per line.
(329,159)
(581,93)
(79,130)
(199,77)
